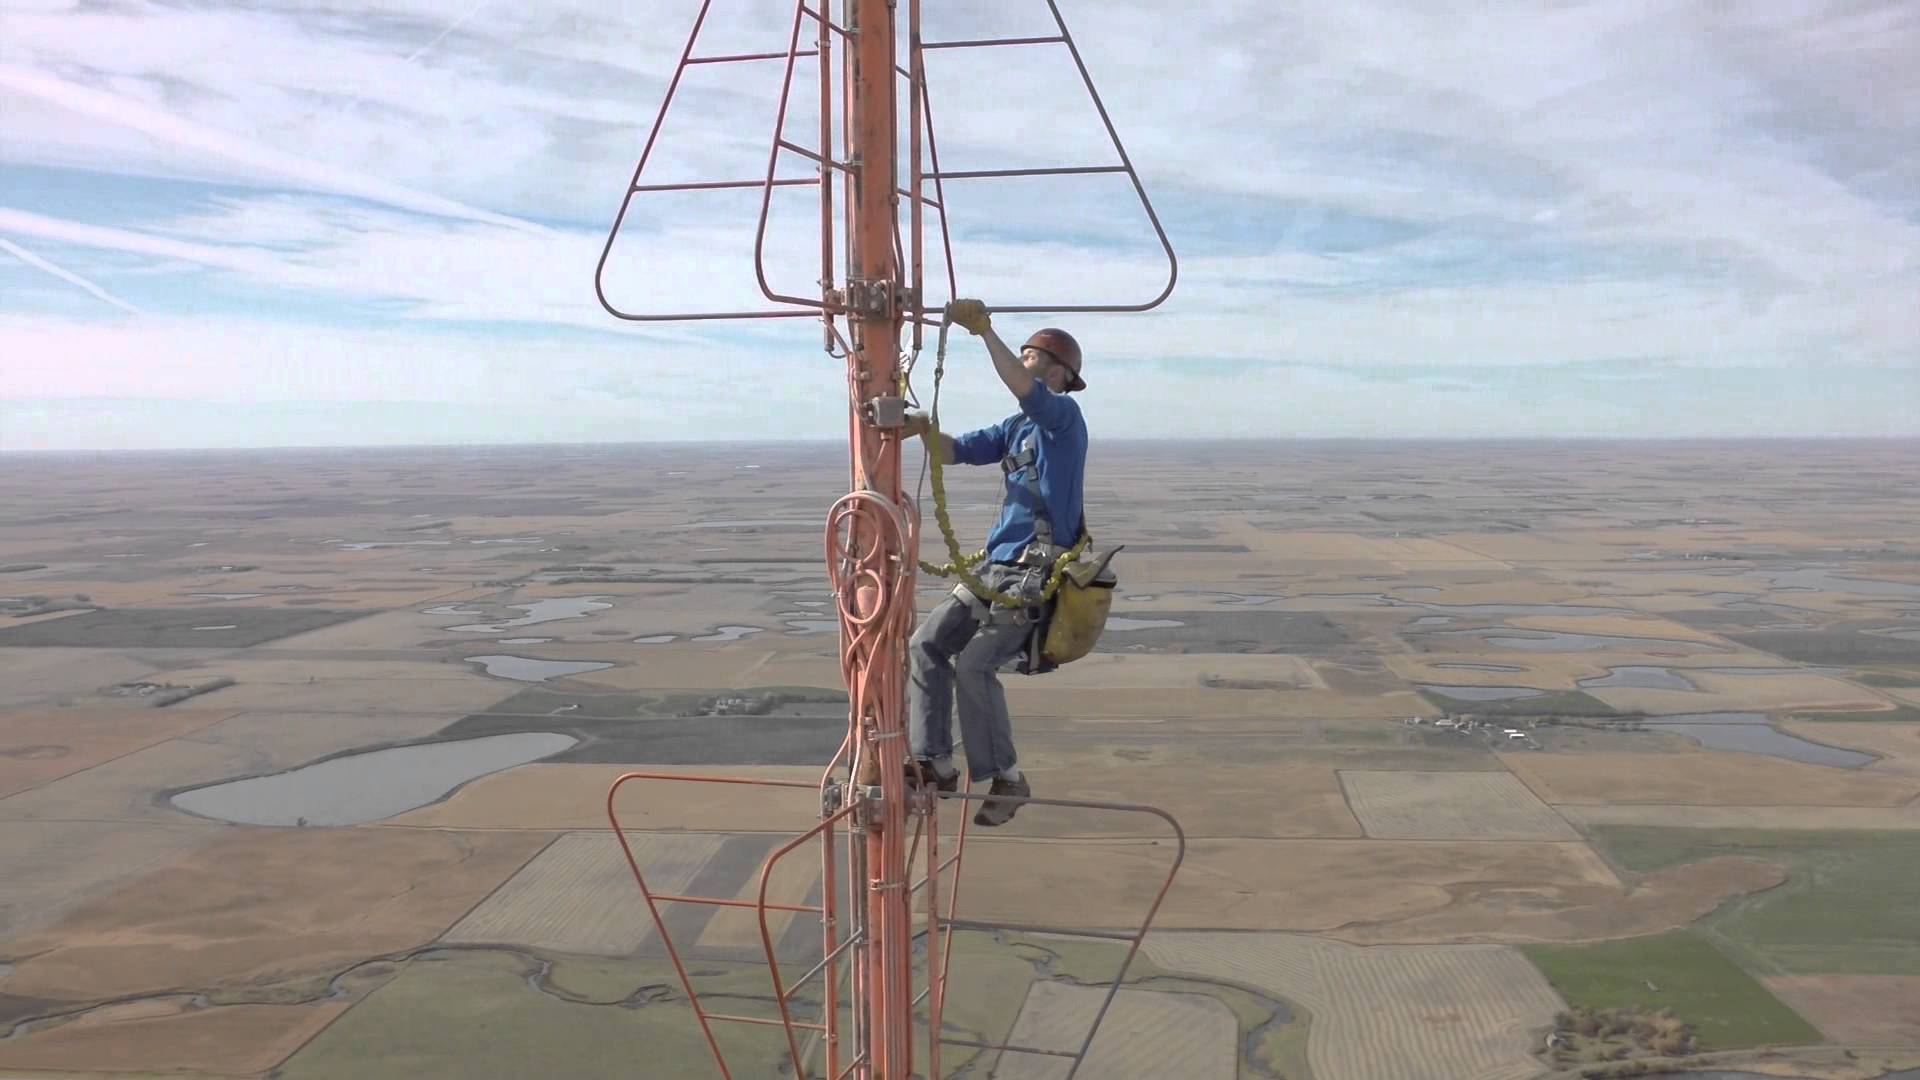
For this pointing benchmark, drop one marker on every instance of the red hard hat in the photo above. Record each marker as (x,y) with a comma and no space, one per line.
(1064,349)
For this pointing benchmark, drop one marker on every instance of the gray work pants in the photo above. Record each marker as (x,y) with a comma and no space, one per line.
(954,654)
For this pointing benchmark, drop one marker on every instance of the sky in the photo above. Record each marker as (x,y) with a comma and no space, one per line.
(299,223)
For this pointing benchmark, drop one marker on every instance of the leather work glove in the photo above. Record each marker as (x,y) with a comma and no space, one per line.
(971,314)
(917,423)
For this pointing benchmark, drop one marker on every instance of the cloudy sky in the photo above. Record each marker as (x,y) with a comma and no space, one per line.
(302,222)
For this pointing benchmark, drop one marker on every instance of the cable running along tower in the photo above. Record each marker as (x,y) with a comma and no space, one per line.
(879,974)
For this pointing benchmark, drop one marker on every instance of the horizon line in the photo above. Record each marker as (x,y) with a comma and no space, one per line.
(841,443)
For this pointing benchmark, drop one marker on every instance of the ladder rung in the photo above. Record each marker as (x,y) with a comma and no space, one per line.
(1025,928)
(691,60)
(1016,1048)
(951,859)
(983,42)
(767,1021)
(852,939)
(713,185)
(1076,170)
(811,156)
(831,25)
(723,902)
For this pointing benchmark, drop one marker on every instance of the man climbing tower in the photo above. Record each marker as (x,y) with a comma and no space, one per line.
(958,650)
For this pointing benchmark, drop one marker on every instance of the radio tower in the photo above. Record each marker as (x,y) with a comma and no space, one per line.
(872,532)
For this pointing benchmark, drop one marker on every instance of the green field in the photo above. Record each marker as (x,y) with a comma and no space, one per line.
(1847,906)
(1727,1007)
(482,1009)
(1551,703)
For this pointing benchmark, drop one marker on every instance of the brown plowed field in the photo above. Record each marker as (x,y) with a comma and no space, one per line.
(262,906)
(579,896)
(1407,805)
(1864,1010)
(1145,1035)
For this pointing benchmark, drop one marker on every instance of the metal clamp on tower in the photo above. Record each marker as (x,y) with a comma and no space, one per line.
(879,975)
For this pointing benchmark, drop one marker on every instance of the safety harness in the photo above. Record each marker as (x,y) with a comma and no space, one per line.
(1076,595)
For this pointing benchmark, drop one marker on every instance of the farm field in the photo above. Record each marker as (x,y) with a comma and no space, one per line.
(313,782)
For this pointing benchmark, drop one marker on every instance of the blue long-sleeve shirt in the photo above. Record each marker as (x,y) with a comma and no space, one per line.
(1059,435)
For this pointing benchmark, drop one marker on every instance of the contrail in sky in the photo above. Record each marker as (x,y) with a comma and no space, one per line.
(64,274)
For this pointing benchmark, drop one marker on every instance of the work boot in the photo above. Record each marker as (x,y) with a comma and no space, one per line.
(921,771)
(997,810)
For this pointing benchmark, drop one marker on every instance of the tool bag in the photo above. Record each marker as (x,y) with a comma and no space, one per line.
(1066,627)
(1080,608)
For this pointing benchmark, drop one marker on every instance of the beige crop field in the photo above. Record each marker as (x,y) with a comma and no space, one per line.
(36,676)
(1702,779)
(1897,744)
(40,745)
(53,866)
(286,910)
(567,797)
(1405,805)
(152,1038)
(1387,1012)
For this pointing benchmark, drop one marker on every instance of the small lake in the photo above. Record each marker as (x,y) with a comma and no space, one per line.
(378,784)
(1750,733)
(1484,693)
(1644,678)
(527,669)
(730,633)
(1118,622)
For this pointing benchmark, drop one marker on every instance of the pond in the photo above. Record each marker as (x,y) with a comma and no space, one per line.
(730,633)
(1118,622)
(1645,678)
(1750,733)
(356,788)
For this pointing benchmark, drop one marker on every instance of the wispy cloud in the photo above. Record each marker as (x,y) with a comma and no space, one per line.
(269,164)
(1474,197)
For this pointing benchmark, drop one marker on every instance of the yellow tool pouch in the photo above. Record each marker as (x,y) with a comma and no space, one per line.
(1080,609)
